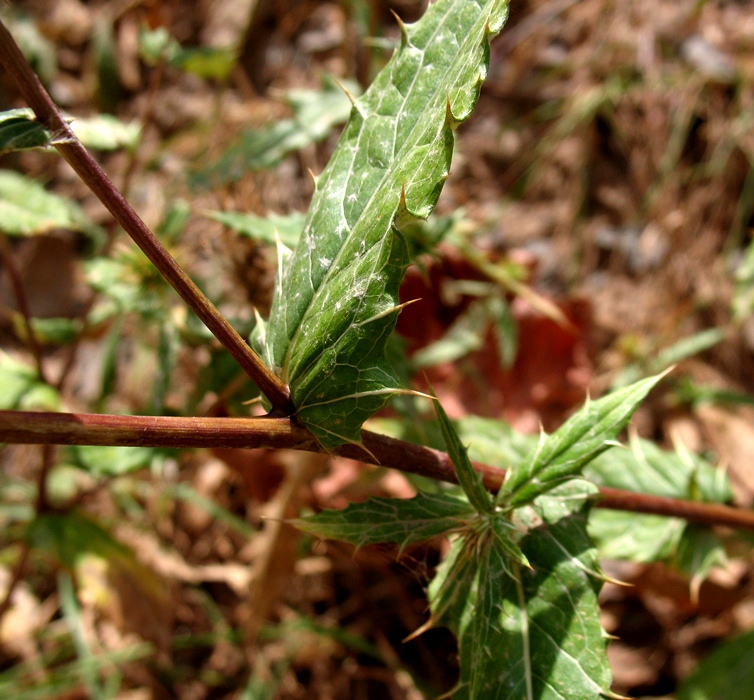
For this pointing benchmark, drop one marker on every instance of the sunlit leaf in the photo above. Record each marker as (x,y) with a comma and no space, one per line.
(338,300)
(577,442)
(470,480)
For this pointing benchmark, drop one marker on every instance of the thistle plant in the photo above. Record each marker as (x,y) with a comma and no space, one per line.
(520,582)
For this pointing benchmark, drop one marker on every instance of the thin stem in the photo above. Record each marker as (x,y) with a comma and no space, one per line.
(19,70)
(23,427)
(22,302)
(31,427)
(49,452)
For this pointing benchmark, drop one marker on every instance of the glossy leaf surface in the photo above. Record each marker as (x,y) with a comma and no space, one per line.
(577,442)
(337,301)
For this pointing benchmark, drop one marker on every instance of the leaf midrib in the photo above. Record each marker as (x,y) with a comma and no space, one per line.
(413,137)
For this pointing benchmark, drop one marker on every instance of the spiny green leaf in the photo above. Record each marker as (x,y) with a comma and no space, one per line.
(526,634)
(338,300)
(645,468)
(698,552)
(579,440)
(390,520)
(642,467)
(452,592)
(470,480)
(633,536)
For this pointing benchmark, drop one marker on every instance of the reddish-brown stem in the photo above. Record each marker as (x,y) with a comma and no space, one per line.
(23,427)
(49,451)
(91,173)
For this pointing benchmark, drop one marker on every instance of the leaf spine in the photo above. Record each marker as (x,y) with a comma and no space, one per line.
(352,99)
(405,38)
(450,120)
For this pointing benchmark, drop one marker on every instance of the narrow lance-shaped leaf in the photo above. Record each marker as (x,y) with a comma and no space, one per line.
(470,480)
(338,300)
(390,519)
(580,439)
